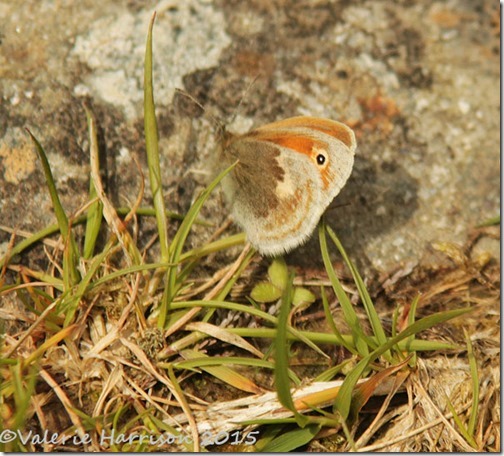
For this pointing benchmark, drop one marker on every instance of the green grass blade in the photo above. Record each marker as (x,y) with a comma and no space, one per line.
(361,341)
(185,407)
(411,321)
(95,211)
(171,285)
(71,272)
(220,370)
(152,148)
(332,325)
(24,384)
(231,282)
(364,295)
(196,335)
(206,361)
(395,318)
(292,440)
(473,365)
(282,348)
(460,425)
(192,213)
(490,222)
(54,228)
(343,401)
(212,247)
(330,373)
(69,306)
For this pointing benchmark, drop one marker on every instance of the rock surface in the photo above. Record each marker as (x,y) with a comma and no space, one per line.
(418,81)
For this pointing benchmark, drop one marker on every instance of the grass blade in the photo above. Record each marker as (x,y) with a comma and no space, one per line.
(360,340)
(282,347)
(95,211)
(291,440)
(364,295)
(473,365)
(71,273)
(343,401)
(171,286)
(332,325)
(152,148)
(411,321)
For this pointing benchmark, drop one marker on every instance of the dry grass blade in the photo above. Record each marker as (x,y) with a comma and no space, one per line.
(95,212)
(217,368)
(379,420)
(454,434)
(227,416)
(224,335)
(132,255)
(221,285)
(41,318)
(175,391)
(407,436)
(69,407)
(51,342)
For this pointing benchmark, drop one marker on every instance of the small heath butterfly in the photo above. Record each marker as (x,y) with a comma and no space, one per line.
(288,172)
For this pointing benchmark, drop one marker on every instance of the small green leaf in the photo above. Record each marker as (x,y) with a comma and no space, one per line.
(278,273)
(292,440)
(302,297)
(265,292)
(489,222)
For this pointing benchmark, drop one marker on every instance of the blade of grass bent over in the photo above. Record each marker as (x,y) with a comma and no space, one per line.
(217,367)
(70,271)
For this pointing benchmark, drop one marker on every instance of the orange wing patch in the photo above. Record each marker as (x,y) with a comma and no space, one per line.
(336,130)
(330,127)
(300,144)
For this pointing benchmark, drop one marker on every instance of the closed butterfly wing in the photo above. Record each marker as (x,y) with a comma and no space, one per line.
(288,172)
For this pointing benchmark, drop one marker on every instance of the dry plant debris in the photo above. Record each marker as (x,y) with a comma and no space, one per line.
(108,360)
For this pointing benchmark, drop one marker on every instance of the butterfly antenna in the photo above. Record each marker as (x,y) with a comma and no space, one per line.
(243,97)
(194,100)
(214,119)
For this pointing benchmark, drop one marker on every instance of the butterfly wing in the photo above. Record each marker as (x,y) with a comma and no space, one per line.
(287,174)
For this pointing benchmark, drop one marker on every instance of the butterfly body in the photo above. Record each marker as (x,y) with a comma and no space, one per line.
(288,172)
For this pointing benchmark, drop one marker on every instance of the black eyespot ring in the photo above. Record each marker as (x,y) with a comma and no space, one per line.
(321,159)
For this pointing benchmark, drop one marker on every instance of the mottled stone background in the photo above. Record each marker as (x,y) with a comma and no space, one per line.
(417,80)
